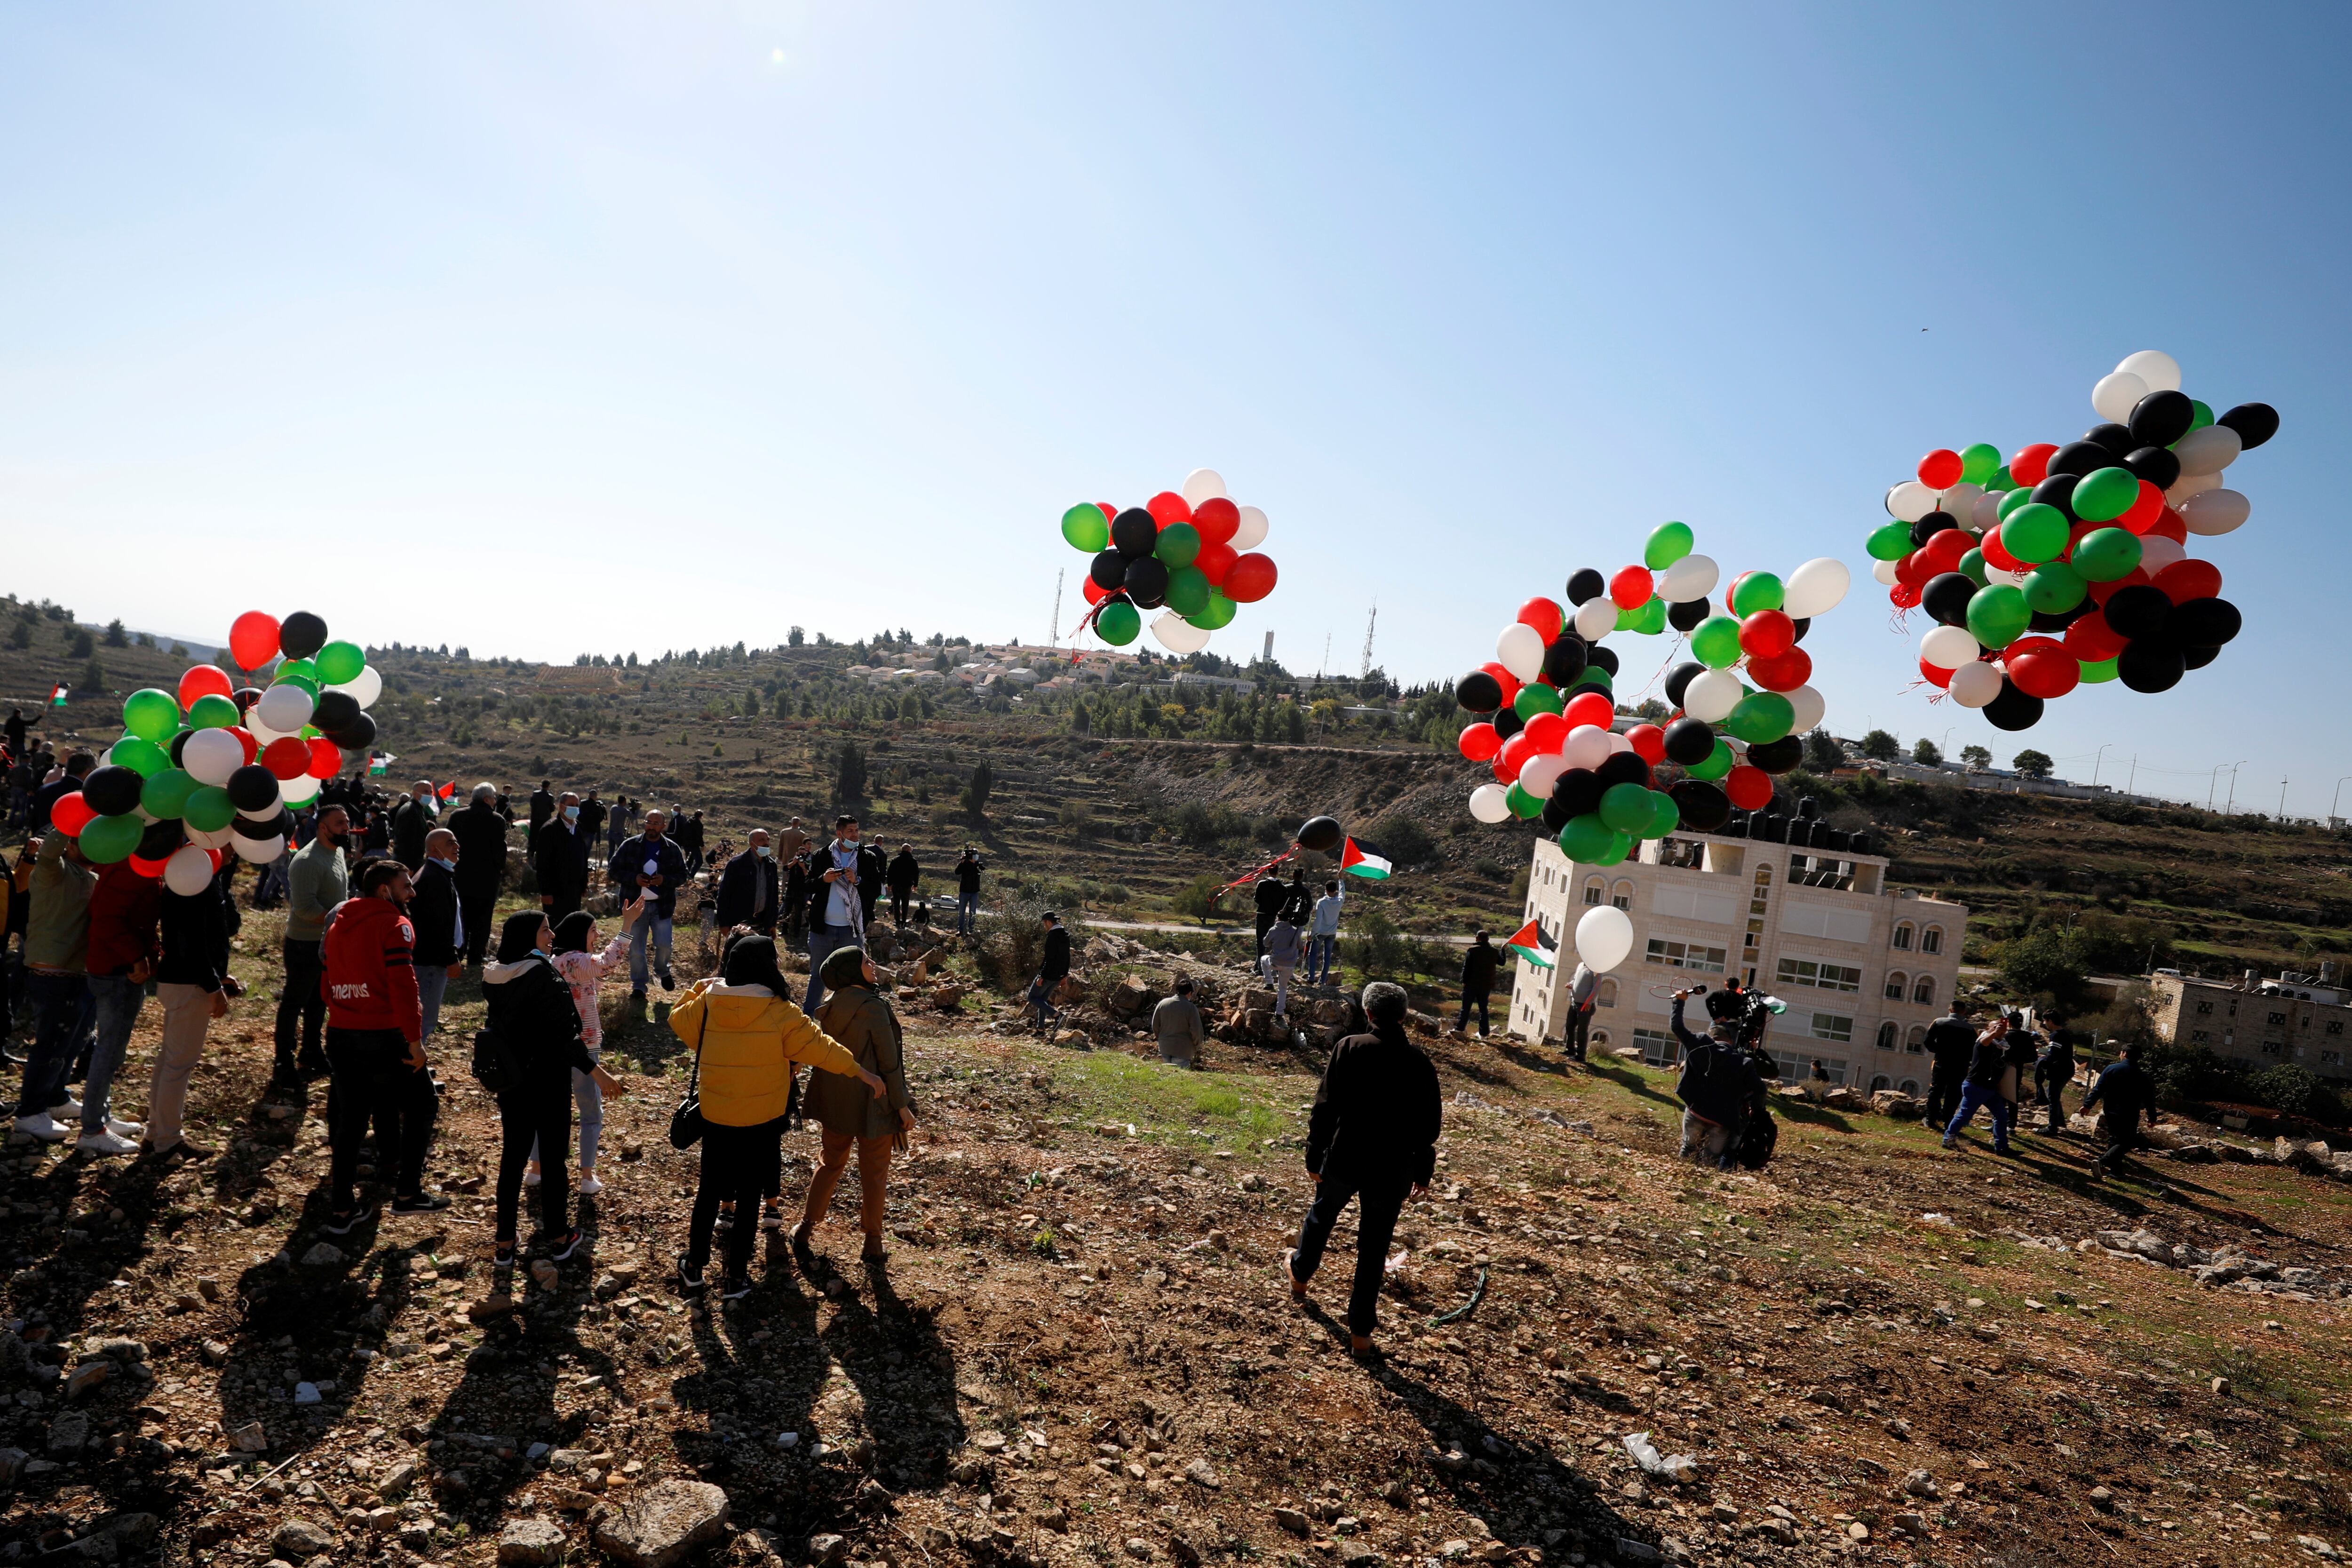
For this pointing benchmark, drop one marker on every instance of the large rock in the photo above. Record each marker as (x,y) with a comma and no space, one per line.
(530,1542)
(1893,1102)
(68,1433)
(661,1524)
(299,1538)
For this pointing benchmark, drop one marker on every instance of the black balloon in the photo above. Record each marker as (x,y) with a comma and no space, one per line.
(2157,466)
(111,791)
(2150,664)
(2059,620)
(2203,623)
(1564,660)
(2255,423)
(1623,767)
(1686,615)
(1927,527)
(1946,596)
(278,825)
(1108,571)
(2058,491)
(161,838)
(1320,834)
(2080,457)
(1678,680)
(1507,723)
(1478,691)
(358,737)
(1578,790)
(2198,657)
(1778,756)
(2137,611)
(1689,742)
(252,787)
(1147,581)
(1703,805)
(2013,709)
(245,697)
(2161,418)
(178,745)
(333,710)
(1801,624)
(1585,585)
(1605,655)
(1133,532)
(2116,438)
(1555,816)
(301,634)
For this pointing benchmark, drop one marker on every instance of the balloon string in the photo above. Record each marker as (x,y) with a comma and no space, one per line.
(1680,637)
(1084,622)
(1256,871)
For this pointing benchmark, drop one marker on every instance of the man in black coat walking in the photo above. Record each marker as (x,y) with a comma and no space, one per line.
(412,819)
(904,873)
(559,855)
(2129,1093)
(1372,1136)
(1951,1041)
(1052,968)
(436,912)
(751,892)
(1479,964)
(481,833)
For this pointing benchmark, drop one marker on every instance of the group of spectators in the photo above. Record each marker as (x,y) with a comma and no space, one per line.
(1992,1068)
(1295,926)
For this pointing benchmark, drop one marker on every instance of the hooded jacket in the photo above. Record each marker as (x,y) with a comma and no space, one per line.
(370,981)
(747,1039)
(1376,1113)
(122,909)
(858,1017)
(532,1013)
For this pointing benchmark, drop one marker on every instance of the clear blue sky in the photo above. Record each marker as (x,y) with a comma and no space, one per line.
(590,326)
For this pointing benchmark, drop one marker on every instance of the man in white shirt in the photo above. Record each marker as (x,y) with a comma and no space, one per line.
(838,916)
(1323,934)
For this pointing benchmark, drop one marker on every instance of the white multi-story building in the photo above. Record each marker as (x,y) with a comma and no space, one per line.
(1863,969)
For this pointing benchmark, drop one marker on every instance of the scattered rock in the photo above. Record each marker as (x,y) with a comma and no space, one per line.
(530,1542)
(827,1550)
(658,1526)
(250,1438)
(298,1539)
(68,1433)
(323,1255)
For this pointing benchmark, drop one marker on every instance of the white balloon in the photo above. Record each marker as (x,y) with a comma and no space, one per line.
(2160,370)
(2116,393)
(2208,451)
(1596,617)
(364,688)
(1177,634)
(1605,938)
(1985,515)
(1203,484)
(2157,552)
(300,791)
(1252,532)
(1520,650)
(1910,501)
(1539,773)
(1587,747)
(2188,485)
(218,839)
(1809,710)
(1618,742)
(211,755)
(1490,802)
(2210,511)
(1995,574)
(1949,648)
(1959,503)
(1884,571)
(284,708)
(189,872)
(1692,578)
(1974,685)
(1815,587)
(268,813)
(260,851)
(1712,696)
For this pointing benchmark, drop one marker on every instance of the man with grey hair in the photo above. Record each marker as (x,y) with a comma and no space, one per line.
(436,913)
(411,820)
(1372,1135)
(481,831)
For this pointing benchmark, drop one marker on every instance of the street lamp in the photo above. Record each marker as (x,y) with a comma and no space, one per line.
(2337,798)
(2232,800)
(2095,761)
(2214,783)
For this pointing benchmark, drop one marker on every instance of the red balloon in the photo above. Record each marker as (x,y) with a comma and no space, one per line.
(1590,708)
(1108,511)
(1648,742)
(1503,678)
(1941,468)
(2044,673)
(204,680)
(1766,634)
(2031,466)
(1479,742)
(2102,592)
(253,639)
(326,757)
(1903,596)
(1545,615)
(1214,561)
(1631,587)
(1249,579)
(289,757)
(2167,525)
(70,814)
(1944,549)
(2186,580)
(1168,507)
(1548,731)
(2144,511)
(1217,519)
(1996,554)
(1914,569)
(218,856)
(150,869)
(1935,674)
(1782,671)
(2092,640)
(1512,756)
(2074,535)
(1750,789)
(1095,592)
(245,737)
(2039,642)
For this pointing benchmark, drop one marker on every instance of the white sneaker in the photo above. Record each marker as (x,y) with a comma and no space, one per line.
(70,1111)
(530,1177)
(589,1185)
(105,1142)
(135,1130)
(45,1127)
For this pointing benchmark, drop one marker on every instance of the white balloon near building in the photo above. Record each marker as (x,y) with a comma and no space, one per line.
(1605,938)
(1203,484)
(1692,578)
(1490,802)
(2117,392)
(1596,618)
(1520,650)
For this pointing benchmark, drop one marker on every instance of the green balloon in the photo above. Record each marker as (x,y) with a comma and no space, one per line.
(151,715)
(141,755)
(1669,543)
(213,712)
(208,809)
(2035,533)
(2105,554)
(1536,698)
(307,682)
(106,840)
(1756,590)
(1651,618)
(1626,807)
(1620,845)
(1890,542)
(1979,463)
(166,793)
(1179,543)
(1586,838)
(1118,623)
(1594,675)
(1220,612)
(2201,414)
(2002,479)
(1188,590)
(1524,806)
(1664,815)
(2104,494)
(1715,642)
(295,669)
(341,661)
(1998,615)
(1716,763)
(1084,525)
(2094,673)
(1972,566)
(2054,588)
(1761,717)
(2010,502)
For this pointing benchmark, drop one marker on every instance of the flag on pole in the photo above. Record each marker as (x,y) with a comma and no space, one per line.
(1357,861)
(379,761)
(1530,943)
(448,790)
(57,695)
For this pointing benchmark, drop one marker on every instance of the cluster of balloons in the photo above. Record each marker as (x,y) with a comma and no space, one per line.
(2069,565)
(213,767)
(1190,554)
(1742,701)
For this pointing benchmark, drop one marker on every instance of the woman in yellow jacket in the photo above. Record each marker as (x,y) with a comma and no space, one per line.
(747,1036)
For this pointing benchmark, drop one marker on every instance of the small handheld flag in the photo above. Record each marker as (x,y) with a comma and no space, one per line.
(1356,861)
(1530,943)
(57,695)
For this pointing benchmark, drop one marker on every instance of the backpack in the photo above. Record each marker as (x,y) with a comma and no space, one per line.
(495,1066)
(1757,1139)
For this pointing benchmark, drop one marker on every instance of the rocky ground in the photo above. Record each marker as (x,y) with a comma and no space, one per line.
(1080,1349)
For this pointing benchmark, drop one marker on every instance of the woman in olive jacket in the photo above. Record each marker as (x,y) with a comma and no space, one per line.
(856,1014)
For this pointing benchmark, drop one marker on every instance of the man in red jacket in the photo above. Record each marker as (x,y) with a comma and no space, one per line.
(123,946)
(375,1051)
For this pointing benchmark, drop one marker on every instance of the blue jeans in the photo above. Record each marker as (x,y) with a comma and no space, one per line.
(967,910)
(116,1001)
(653,928)
(823,940)
(432,984)
(59,1003)
(1320,947)
(2004,1114)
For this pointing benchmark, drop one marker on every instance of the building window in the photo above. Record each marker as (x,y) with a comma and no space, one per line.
(1622,896)
(1923,991)
(2204,1009)
(1820,973)
(2331,1058)
(1879,1081)
(1889,1036)
(2273,1047)
(1916,1040)
(1902,936)
(1687,955)
(1605,993)
(2200,1038)
(1595,889)
(1831,1026)
(2278,1017)
(1909,1086)
(2335,1026)
(1658,1048)
(1895,981)
(1763,876)
(1932,940)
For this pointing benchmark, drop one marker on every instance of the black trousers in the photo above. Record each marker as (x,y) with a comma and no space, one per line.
(480,913)
(1473,999)
(302,1005)
(899,899)
(2122,1136)
(373,1082)
(536,1110)
(2054,1096)
(1943,1096)
(564,904)
(1580,1026)
(1376,1219)
(740,1165)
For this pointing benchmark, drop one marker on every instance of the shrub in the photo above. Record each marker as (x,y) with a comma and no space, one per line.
(1403,840)
(2295,1091)
(1196,900)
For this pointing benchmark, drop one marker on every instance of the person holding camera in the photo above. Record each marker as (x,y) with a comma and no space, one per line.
(1720,1088)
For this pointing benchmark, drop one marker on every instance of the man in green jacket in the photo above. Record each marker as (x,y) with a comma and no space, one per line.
(57,949)
(316,880)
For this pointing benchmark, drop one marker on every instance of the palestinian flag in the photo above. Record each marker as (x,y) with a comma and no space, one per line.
(1355,862)
(1530,943)
(57,695)
(449,790)
(379,762)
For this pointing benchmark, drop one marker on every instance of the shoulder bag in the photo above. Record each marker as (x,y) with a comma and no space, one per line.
(686,1123)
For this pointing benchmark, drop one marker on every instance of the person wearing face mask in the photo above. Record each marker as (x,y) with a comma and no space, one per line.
(481,830)
(849,878)
(649,865)
(437,909)
(751,893)
(559,855)
(318,880)
(412,819)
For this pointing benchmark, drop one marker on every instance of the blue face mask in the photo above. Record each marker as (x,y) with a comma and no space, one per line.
(571,814)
